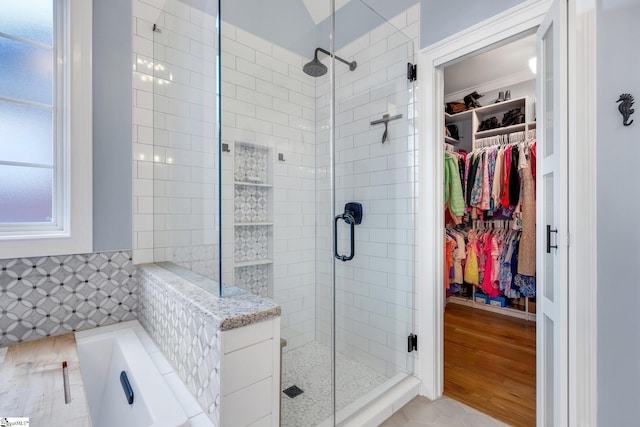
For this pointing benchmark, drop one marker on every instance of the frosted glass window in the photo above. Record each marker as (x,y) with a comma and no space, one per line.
(26,71)
(45,125)
(28,19)
(27,140)
(26,134)
(25,194)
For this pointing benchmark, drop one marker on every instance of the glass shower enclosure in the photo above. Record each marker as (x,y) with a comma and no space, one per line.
(285,165)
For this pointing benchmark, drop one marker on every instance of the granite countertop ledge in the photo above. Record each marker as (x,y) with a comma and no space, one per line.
(229,312)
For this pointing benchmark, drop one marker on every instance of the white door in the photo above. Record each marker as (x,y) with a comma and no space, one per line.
(552,239)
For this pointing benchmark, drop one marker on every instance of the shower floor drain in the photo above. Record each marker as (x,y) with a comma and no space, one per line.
(293,391)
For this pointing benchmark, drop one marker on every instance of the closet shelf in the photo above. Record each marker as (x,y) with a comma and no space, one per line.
(486,110)
(501,130)
(247,224)
(505,130)
(508,311)
(450,140)
(458,117)
(252,184)
(501,107)
(254,262)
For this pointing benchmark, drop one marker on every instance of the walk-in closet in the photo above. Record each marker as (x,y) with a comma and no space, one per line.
(490,231)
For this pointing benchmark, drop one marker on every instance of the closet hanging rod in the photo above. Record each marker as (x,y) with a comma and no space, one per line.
(495,224)
(450,148)
(514,137)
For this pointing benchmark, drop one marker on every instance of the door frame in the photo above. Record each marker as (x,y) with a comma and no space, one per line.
(582,282)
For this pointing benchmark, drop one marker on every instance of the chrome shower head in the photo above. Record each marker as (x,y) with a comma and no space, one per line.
(315,68)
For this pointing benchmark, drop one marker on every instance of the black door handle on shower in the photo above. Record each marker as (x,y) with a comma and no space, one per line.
(348,218)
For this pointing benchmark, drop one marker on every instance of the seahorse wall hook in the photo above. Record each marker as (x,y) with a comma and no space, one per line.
(626,102)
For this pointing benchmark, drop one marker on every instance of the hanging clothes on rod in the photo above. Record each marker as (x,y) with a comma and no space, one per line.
(495,186)
(455,254)
(487,259)
(450,148)
(453,196)
(494,179)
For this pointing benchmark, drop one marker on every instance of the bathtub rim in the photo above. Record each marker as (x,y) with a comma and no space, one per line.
(188,403)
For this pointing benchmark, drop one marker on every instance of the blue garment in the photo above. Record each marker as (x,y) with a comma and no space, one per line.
(525,285)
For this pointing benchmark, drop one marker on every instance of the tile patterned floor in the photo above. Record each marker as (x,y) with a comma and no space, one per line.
(444,412)
(309,367)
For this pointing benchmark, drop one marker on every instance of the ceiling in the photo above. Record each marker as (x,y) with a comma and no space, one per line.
(303,25)
(320,10)
(503,61)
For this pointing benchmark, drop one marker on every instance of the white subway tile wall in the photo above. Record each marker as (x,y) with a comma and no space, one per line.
(174,120)
(264,98)
(374,292)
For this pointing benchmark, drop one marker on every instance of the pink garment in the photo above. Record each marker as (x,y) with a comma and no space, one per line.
(496,251)
(490,248)
(479,248)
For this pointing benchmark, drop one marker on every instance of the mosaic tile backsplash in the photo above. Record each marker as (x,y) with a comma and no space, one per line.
(251,204)
(251,243)
(41,297)
(250,164)
(189,339)
(254,279)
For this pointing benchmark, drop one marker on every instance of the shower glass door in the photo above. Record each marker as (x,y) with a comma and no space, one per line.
(374,164)
(299,89)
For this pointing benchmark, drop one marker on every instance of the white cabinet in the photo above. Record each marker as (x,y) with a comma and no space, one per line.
(250,375)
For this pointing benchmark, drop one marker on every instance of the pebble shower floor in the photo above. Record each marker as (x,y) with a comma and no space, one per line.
(309,367)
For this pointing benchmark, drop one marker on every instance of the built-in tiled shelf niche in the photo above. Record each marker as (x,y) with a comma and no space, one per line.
(253,218)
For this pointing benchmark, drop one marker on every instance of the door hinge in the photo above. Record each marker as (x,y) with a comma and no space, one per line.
(412,72)
(412,343)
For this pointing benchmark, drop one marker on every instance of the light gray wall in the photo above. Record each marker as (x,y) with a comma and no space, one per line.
(288,24)
(618,207)
(112,153)
(441,19)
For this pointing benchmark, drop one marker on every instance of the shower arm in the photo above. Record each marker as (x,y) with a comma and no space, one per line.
(350,64)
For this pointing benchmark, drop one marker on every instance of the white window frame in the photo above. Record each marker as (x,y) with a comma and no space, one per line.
(72,230)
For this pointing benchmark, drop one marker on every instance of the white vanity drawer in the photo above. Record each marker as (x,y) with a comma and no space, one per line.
(248,405)
(247,366)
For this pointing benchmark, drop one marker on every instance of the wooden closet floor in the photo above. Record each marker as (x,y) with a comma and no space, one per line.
(490,363)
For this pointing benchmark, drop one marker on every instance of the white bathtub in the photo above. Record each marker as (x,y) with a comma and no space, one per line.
(103,356)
